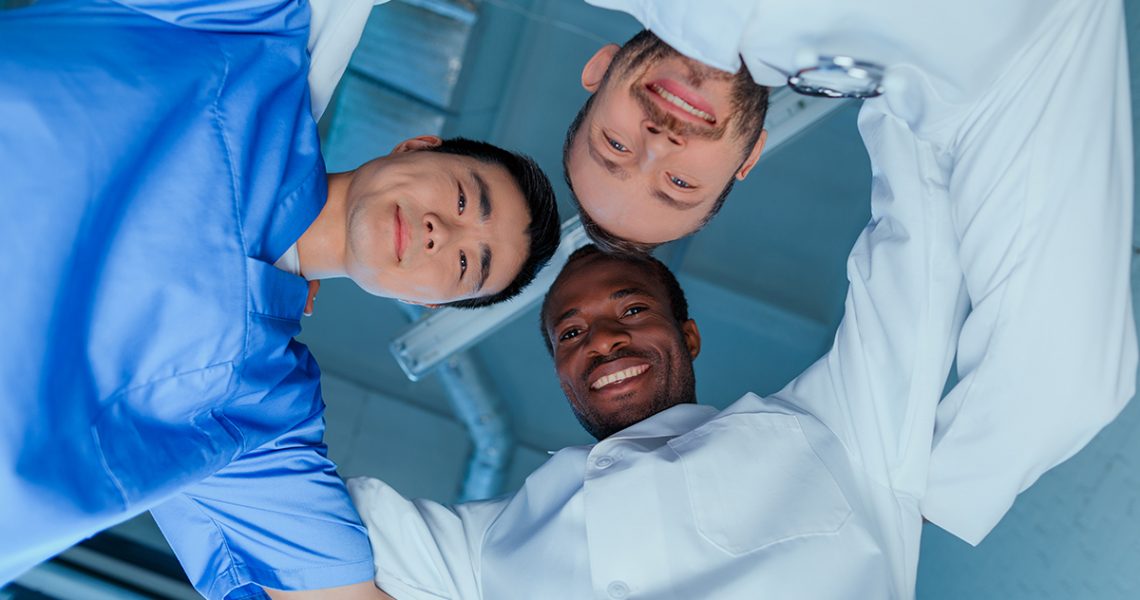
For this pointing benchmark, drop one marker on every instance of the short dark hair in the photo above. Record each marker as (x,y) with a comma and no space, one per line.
(544,229)
(598,234)
(678,305)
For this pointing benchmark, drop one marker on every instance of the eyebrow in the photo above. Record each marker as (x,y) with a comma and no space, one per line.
(484,196)
(617,295)
(672,202)
(484,266)
(630,291)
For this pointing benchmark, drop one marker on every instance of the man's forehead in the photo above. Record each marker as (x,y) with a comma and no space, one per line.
(599,277)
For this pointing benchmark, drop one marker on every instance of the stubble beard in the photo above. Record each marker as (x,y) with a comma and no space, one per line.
(674,383)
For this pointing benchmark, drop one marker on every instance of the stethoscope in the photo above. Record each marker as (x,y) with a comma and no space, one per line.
(836,77)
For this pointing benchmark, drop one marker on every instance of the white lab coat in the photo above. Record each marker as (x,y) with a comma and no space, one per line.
(334,32)
(1015,114)
(758,501)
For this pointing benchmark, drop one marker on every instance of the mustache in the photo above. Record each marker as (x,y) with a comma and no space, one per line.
(671,122)
(609,358)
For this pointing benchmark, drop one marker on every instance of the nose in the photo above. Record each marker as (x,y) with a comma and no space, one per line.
(662,133)
(607,336)
(437,233)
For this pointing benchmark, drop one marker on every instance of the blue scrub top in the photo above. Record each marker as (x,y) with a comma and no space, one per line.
(156,157)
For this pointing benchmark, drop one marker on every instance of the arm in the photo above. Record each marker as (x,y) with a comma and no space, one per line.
(238,16)
(360,591)
(1042,189)
(878,386)
(423,549)
(277,517)
(337,26)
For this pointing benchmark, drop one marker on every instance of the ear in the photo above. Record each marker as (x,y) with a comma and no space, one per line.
(314,286)
(753,156)
(421,142)
(692,337)
(596,67)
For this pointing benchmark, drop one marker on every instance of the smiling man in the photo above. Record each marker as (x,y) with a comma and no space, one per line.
(656,149)
(1015,115)
(679,500)
(164,201)
(441,222)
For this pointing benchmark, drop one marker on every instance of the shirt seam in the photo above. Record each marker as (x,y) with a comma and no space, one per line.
(235,201)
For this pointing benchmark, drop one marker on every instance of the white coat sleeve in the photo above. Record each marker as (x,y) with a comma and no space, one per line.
(334,32)
(877,388)
(422,549)
(1042,196)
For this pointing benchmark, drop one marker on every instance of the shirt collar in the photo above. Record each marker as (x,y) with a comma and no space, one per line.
(272,224)
(670,422)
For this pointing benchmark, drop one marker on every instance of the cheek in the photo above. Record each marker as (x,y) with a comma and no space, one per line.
(568,383)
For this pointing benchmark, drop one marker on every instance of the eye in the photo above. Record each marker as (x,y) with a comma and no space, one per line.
(569,334)
(681,183)
(633,310)
(616,145)
(462,201)
(462,264)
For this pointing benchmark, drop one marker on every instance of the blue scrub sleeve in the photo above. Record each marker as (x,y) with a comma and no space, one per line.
(238,16)
(277,517)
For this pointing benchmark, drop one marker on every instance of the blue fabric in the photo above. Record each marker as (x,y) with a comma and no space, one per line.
(155,159)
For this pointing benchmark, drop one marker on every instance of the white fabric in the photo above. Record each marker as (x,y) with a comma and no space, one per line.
(334,32)
(290,262)
(1016,115)
(760,500)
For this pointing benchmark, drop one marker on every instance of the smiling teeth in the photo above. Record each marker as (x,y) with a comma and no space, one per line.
(685,106)
(619,376)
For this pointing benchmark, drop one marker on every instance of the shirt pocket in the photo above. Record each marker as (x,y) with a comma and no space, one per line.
(753,481)
(161,436)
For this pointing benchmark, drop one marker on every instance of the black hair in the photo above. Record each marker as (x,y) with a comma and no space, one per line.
(544,229)
(678,305)
(640,45)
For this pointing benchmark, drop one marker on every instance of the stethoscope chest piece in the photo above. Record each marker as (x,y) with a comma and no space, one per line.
(839,77)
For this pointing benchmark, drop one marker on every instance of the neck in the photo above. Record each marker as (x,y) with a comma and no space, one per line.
(322,246)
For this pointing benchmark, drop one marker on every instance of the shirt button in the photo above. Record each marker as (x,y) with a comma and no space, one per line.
(617,589)
(603,462)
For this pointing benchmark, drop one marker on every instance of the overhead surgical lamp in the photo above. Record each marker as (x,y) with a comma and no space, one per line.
(431,340)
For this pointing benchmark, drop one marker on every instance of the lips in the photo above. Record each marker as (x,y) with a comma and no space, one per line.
(681,101)
(401,235)
(614,374)
(619,377)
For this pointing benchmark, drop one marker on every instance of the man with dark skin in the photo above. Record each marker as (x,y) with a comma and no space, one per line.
(679,500)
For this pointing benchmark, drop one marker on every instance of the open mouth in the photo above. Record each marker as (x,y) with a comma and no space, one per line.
(618,377)
(679,104)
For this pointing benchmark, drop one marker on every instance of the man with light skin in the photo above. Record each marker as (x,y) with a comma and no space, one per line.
(165,209)
(1020,126)
(813,492)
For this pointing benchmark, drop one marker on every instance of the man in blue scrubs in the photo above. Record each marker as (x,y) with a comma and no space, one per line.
(158,159)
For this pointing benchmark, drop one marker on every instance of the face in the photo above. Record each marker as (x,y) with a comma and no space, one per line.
(430,227)
(664,137)
(620,355)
